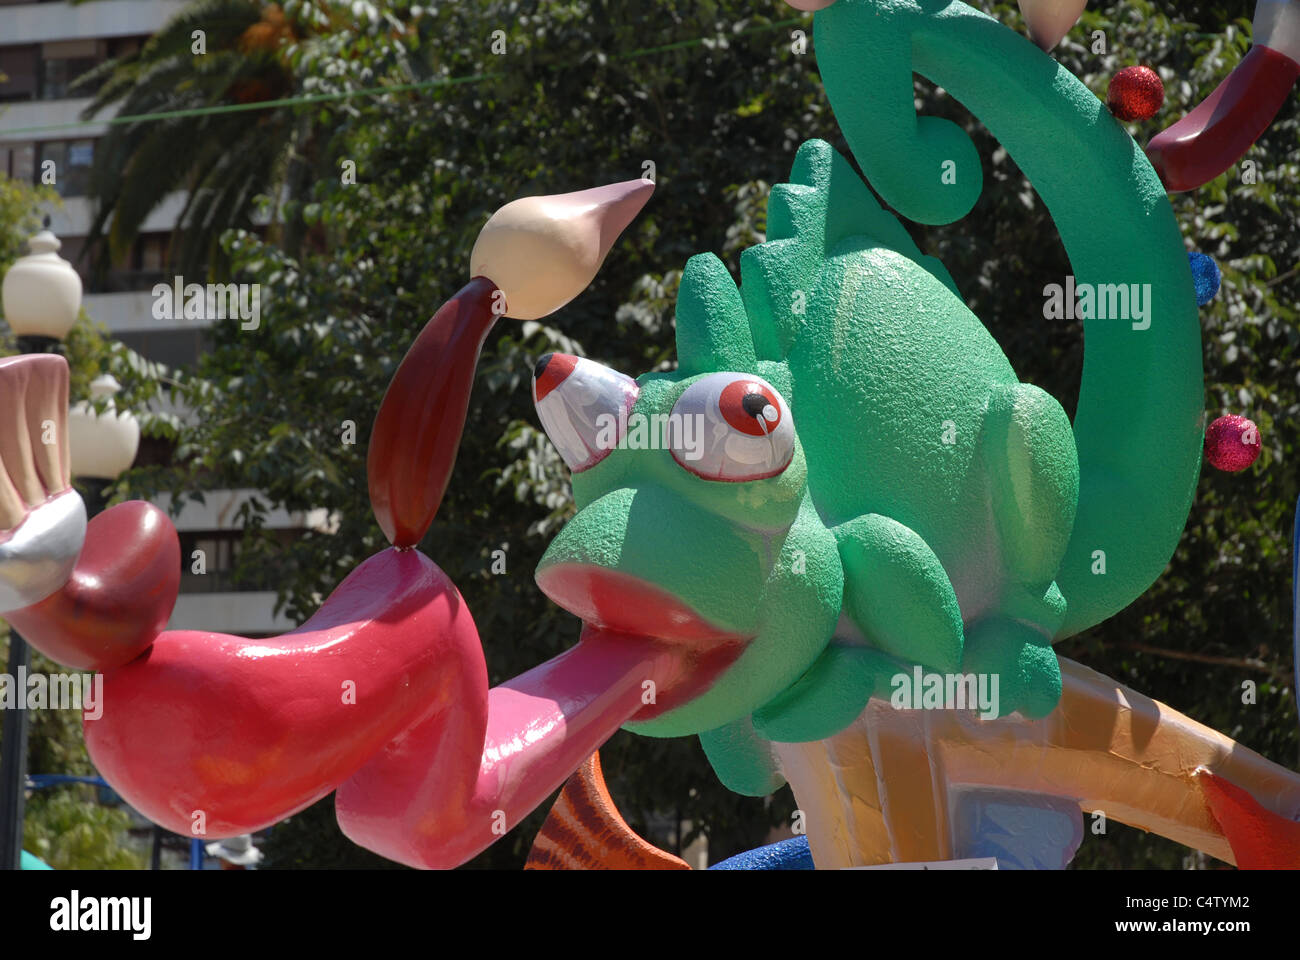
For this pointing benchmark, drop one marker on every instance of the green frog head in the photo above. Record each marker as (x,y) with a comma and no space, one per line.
(696,523)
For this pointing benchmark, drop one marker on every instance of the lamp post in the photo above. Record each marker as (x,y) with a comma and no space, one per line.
(103,444)
(42,297)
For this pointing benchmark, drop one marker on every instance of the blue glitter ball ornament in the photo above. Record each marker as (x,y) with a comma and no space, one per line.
(1206,277)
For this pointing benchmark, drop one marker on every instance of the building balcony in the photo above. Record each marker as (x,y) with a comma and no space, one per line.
(23,115)
(73,217)
(47,22)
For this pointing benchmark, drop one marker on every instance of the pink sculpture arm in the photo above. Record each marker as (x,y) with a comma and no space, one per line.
(383,693)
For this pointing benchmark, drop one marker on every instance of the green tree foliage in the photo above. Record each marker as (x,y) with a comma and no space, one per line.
(714,94)
(19,216)
(70,831)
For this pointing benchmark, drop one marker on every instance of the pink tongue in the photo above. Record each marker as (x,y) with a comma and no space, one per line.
(443,792)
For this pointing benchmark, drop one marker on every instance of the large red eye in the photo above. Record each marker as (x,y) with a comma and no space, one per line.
(732,426)
(751,406)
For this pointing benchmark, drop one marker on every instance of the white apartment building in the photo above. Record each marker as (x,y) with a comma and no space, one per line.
(43,48)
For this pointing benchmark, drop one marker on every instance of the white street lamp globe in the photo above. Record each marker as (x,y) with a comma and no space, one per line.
(103,445)
(42,292)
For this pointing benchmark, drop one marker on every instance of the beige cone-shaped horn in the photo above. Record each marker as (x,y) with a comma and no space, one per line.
(1049,20)
(541,252)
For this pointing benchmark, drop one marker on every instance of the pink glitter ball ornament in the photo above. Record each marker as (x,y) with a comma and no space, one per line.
(1232,443)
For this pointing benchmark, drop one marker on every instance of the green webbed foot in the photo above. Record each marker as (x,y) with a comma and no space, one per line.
(1022,661)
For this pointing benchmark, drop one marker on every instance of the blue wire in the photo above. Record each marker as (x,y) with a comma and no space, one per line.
(40,781)
(1295,601)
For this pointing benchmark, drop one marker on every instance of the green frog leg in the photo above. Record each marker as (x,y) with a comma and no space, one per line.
(897,592)
(830,696)
(741,759)
(898,595)
(1027,449)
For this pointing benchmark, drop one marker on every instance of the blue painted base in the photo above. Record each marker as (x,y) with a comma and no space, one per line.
(792,854)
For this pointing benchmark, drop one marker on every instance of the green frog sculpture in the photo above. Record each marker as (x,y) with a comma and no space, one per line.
(836,543)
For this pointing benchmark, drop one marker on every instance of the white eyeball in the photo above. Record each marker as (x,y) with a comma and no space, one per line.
(732,426)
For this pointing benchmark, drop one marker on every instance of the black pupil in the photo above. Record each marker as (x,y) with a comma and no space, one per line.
(540,367)
(754,404)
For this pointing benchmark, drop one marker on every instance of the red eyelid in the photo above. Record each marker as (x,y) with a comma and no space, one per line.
(730,406)
(557,371)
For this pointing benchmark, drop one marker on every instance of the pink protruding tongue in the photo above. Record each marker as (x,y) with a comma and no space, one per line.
(436,798)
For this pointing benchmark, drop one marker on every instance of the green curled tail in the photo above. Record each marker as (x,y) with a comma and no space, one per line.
(1139,424)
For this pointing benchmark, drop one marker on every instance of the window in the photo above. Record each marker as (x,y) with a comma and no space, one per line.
(143,266)
(217,554)
(49,71)
(18,161)
(220,557)
(20,70)
(63,62)
(72,250)
(123,46)
(153,253)
(72,162)
(59,75)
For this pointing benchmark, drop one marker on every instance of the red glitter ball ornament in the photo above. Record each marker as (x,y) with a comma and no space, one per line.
(1232,443)
(1135,93)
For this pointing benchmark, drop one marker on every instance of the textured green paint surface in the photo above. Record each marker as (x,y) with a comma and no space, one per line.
(750,557)
(1139,423)
(741,759)
(828,697)
(950,513)
(895,583)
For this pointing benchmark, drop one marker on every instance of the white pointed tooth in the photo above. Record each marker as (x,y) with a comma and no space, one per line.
(582,406)
(38,557)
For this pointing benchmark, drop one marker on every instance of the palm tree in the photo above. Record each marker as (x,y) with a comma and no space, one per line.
(223,160)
